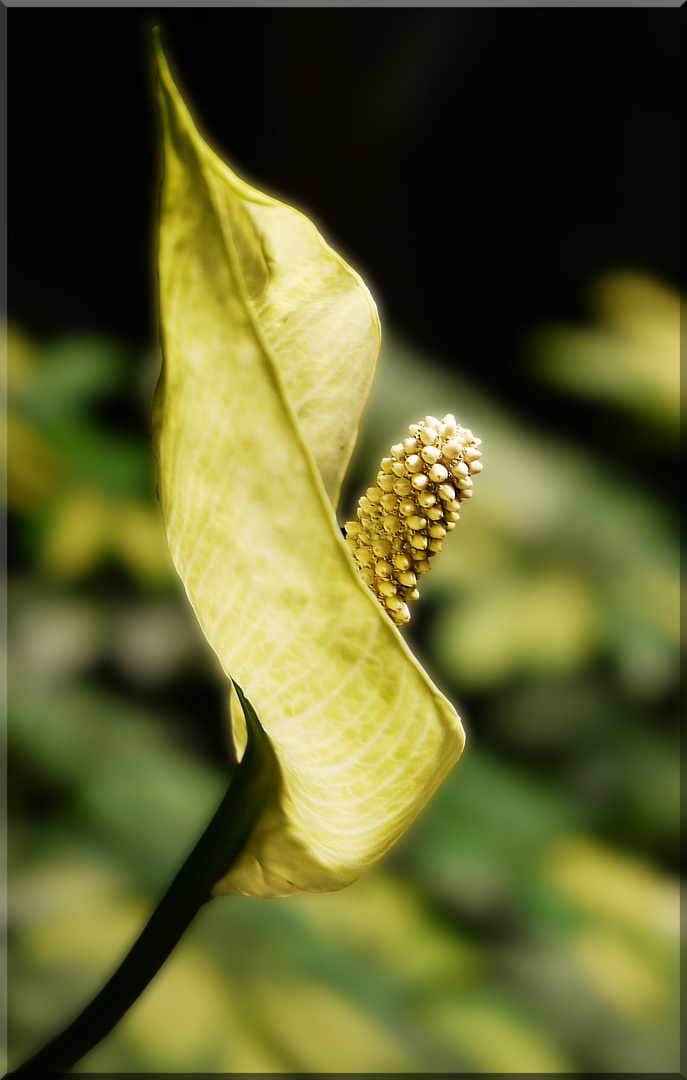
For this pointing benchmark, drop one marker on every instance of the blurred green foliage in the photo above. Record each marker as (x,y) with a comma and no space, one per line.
(528,920)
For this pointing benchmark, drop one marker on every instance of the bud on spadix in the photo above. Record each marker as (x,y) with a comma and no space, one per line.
(404,520)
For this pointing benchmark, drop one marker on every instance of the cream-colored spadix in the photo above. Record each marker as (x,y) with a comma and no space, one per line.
(269,344)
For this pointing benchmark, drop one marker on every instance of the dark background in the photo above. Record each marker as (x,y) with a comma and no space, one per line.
(479,167)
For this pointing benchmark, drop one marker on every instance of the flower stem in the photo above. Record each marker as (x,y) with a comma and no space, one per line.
(218,847)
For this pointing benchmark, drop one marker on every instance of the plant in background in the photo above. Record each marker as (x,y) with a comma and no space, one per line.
(269,342)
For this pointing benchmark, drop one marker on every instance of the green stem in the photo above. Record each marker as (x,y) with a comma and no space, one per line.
(218,847)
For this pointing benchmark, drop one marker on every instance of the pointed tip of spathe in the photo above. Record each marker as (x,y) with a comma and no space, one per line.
(158,50)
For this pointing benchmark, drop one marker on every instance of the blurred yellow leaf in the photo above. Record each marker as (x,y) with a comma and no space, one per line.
(86,526)
(135,536)
(78,535)
(86,934)
(181,1020)
(54,888)
(21,357)
(269,344)
(627,891)
(619,973)
(632,359)
(646,310)
(542,623)
(495,1038)
(338,1031)
(386,921)
(32,465)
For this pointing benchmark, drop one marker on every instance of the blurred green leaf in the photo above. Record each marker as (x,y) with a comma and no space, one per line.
(484,831)
(61,379)
(120,769)
(631,360)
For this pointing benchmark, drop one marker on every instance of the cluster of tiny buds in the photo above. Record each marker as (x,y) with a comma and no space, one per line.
(403,520)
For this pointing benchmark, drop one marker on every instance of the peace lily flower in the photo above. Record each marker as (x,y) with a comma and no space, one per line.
(270,342)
